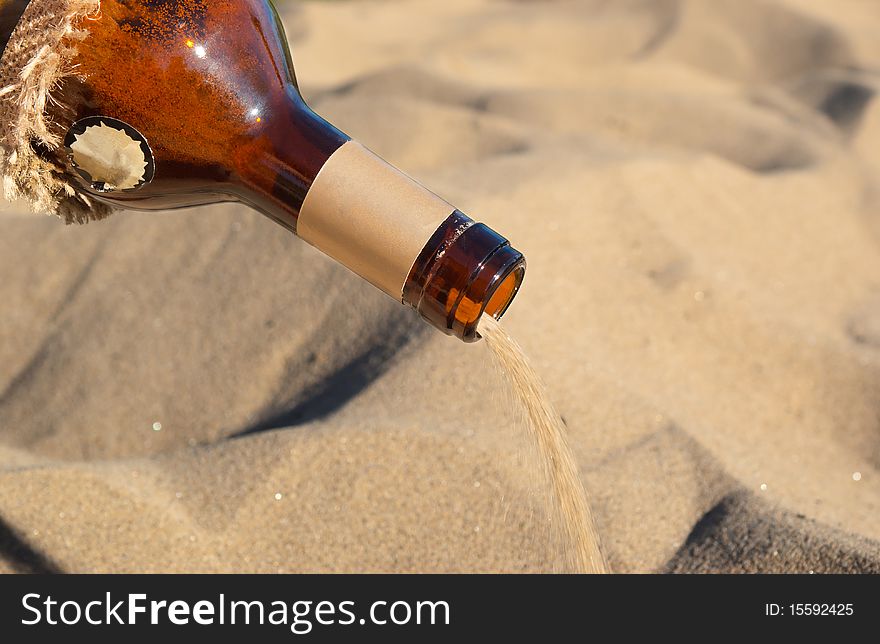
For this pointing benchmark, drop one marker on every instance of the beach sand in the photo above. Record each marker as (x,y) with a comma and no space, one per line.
(696,186)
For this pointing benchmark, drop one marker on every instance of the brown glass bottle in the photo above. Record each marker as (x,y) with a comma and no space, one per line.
(205,91)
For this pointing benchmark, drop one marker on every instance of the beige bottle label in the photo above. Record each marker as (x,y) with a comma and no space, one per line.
(370,217)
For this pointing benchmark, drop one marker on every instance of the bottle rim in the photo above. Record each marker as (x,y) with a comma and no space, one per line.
(458,275)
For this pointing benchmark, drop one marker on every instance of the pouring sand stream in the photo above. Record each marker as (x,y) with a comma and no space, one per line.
(571,519)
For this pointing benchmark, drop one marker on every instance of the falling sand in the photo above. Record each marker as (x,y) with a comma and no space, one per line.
(571,517)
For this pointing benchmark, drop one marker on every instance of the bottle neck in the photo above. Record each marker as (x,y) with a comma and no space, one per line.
(381,224)
(298,144)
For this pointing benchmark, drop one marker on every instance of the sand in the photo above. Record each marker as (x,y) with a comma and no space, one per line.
(696,186)
(572,528)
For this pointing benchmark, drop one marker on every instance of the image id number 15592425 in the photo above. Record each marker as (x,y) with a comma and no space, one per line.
(804,610)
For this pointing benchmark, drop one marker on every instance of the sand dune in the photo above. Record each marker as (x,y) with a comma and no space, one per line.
(696,186)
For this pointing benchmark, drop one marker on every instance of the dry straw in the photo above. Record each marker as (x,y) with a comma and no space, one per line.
(35,65)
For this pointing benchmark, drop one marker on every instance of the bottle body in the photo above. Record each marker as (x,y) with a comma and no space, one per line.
(177,103)
(210,86)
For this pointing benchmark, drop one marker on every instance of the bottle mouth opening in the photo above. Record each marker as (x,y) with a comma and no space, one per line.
(467,272)
(505,292)
(493,288)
